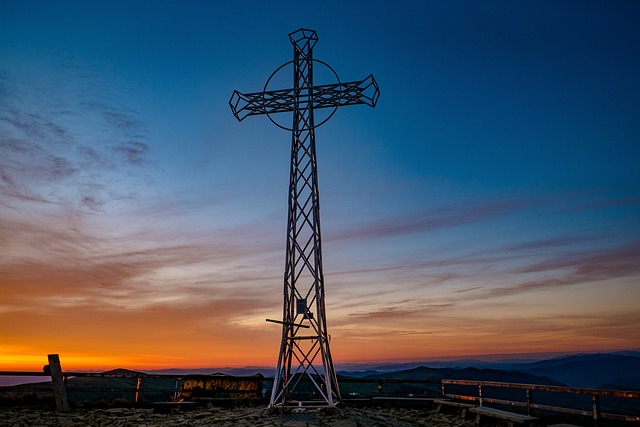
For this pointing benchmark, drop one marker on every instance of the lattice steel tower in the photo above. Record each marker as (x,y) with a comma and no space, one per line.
(299,378)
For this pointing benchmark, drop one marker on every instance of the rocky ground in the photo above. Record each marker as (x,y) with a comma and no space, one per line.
(258,417)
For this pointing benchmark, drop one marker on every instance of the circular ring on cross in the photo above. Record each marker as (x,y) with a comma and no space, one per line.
(324,119)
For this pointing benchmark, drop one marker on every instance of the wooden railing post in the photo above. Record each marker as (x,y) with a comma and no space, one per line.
(379,388)
(175,389)
(57,381)
(480,394)
(529,400)
(138,389)
(596,408)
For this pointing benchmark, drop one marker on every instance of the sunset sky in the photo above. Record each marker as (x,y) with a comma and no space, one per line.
(490,203)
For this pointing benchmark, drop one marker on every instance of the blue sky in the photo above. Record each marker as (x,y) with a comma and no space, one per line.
(489,203)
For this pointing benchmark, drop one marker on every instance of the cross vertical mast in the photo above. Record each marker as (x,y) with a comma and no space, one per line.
(298,379)
(303,277)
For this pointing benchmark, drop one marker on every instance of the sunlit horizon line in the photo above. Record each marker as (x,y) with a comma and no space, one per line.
(345,364)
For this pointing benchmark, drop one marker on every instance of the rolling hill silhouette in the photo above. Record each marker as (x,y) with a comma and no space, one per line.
(427,373)
(608,370)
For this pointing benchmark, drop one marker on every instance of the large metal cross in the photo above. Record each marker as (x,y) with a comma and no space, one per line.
(299,379)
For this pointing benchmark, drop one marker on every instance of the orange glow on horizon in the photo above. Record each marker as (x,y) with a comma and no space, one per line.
(231,332)
(73,362)
(144,362)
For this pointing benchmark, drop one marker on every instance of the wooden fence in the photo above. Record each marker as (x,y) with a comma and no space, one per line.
(479,392)
(527,401)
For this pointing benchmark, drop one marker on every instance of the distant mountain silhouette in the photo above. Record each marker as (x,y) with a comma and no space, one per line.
(424,372)
(619,370)
(607,370)
(122,371)
(247,371)
(623,383)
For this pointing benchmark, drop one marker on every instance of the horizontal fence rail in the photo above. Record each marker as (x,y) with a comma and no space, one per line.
(528,403)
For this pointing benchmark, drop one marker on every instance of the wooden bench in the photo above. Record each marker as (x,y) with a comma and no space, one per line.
(452,403)
(510,417)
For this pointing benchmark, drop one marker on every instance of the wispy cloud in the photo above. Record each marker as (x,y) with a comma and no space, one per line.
(398,312)
(48,153)
(434,219)
(440,261)
(570,268)
(49,266)
(553,244)
(617,202)
(597,263)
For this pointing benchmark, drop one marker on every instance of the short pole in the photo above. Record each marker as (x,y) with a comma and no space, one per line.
(57,382)
(596,408)
(175,390)
(138,390)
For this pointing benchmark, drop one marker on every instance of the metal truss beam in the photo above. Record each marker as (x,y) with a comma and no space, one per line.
(304,358)
(325,96)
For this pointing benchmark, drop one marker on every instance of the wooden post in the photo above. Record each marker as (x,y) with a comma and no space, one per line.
(596,408)
(480,394)
(138,390)
(175,390)
(57,381)
(529,401)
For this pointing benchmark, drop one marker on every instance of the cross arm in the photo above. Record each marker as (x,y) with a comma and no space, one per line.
(324,96)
